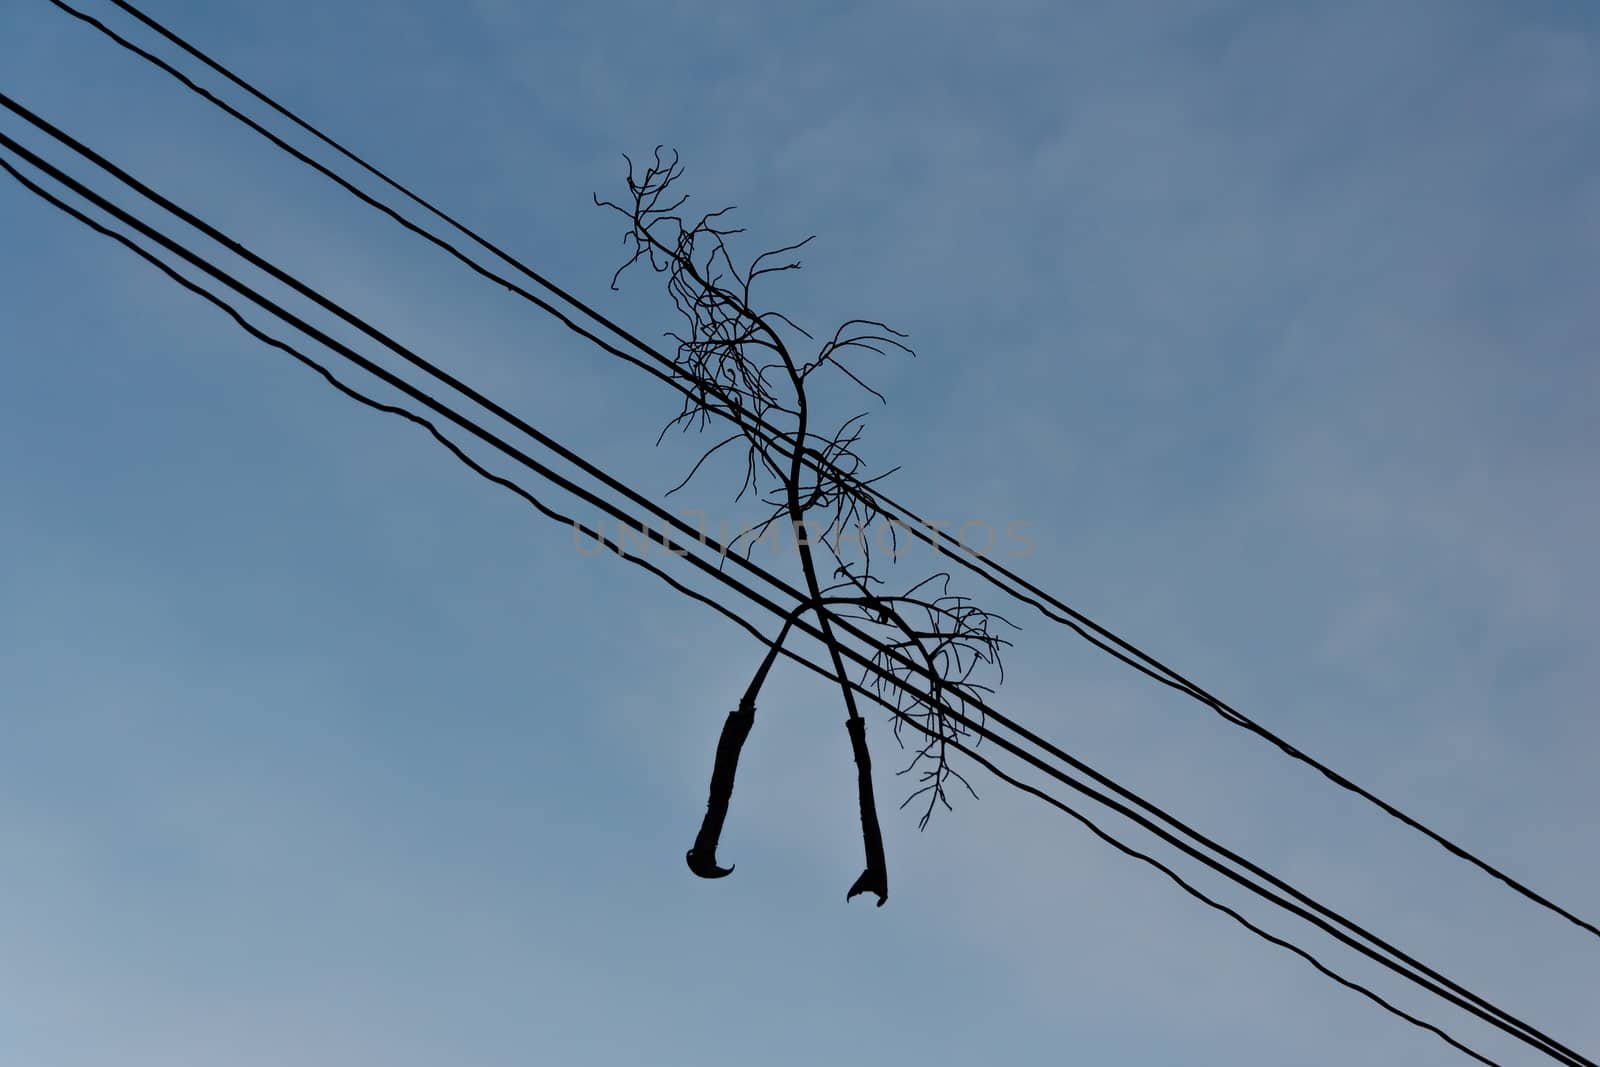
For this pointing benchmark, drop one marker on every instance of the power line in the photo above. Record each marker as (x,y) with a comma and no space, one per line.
(1510,1024)
(990,569)
(638,500)
(620,550)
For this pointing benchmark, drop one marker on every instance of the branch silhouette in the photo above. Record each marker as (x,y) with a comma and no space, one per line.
(738,364)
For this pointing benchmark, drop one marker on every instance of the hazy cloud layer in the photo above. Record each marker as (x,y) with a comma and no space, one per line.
(1274,323)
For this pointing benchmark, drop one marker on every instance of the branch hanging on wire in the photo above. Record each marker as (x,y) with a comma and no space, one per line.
(738,363)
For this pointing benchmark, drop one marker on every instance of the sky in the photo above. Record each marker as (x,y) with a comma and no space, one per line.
(1272,322)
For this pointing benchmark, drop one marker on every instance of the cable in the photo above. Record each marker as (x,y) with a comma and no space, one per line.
(1005,744)
(666,518)
(1516,1027)
(988,568)
(620,550)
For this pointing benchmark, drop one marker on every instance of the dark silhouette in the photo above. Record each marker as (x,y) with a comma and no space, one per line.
(738,365)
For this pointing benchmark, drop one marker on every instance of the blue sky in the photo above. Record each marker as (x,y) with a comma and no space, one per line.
(1270,319)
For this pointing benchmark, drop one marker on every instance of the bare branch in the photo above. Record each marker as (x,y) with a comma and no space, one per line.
(737,363)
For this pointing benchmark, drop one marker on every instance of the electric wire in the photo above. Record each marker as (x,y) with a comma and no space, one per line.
(1516,1027)
(210,231)
(986,567)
